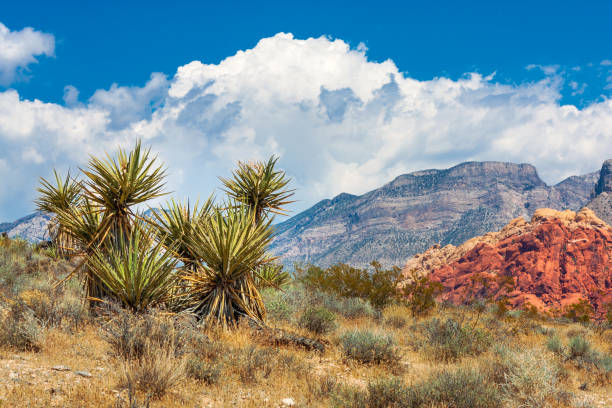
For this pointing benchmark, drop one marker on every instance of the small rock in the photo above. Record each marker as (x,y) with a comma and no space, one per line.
(13,375)
(60,368)
(86,374)
(288,402)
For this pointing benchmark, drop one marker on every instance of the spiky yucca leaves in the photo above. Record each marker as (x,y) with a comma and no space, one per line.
(114,185)
(138,272)
(61,196)
(230,246)
(175,222)
(82,223)
(260,187)
(272,275)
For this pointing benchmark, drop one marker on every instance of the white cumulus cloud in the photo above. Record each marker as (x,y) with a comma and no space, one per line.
(18,49)
(339,121)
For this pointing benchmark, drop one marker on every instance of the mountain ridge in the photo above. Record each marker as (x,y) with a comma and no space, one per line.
(416,210)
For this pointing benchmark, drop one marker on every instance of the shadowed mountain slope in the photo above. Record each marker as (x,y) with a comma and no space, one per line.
(420,209)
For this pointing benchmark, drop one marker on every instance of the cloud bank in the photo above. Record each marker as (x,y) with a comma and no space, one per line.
(339,121)
(18,49)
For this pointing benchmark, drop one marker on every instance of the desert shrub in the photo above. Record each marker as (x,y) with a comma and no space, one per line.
(578,347)
(278,306)
(397,322)
(420,293)
(318,320)
(20,329)
(501,307)
(201,370)
(378,286)
(255,363)
(54,305)
(155,372)
(128,333)
(454,389)
(449,340)
(321,387)
(460,388)
(529,379)
(581,311)
(582,353)
(554,344)
(16,263)
(354,308)
(382,393)
(369,347)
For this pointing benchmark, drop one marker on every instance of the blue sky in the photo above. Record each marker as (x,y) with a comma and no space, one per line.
(122,42)
(355,95)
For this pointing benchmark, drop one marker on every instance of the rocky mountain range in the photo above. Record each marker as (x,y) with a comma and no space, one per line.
(601,204)
(32,227)
(420,209)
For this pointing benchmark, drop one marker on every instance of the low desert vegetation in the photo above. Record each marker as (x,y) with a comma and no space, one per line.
(184,306)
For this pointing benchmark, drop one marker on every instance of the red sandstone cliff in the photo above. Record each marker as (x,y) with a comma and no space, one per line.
(557,259)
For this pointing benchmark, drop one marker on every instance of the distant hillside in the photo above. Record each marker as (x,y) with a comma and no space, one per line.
(32,227)
(417,210)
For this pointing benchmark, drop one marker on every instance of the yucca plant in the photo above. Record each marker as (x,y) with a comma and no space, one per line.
(230,247)
(82,223)
(114,185)
(53,198)
(100,220)
(260,187)
(138,272)
(175,222)
(272,275)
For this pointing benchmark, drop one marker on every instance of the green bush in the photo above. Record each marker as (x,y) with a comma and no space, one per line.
(582,353)
(369,347)
(581,311)
(420,293)
(378,286)
(354,308)
(278,306)
(553,343)
(450,341)
(318,320)
(578,347)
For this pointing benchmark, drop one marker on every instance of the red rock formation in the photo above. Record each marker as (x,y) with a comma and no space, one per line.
(555,260)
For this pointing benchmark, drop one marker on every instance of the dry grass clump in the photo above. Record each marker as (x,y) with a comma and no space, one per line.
(155,372)
(20,329)
(450,340)
(459,388)
(368,347)
(526,377)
